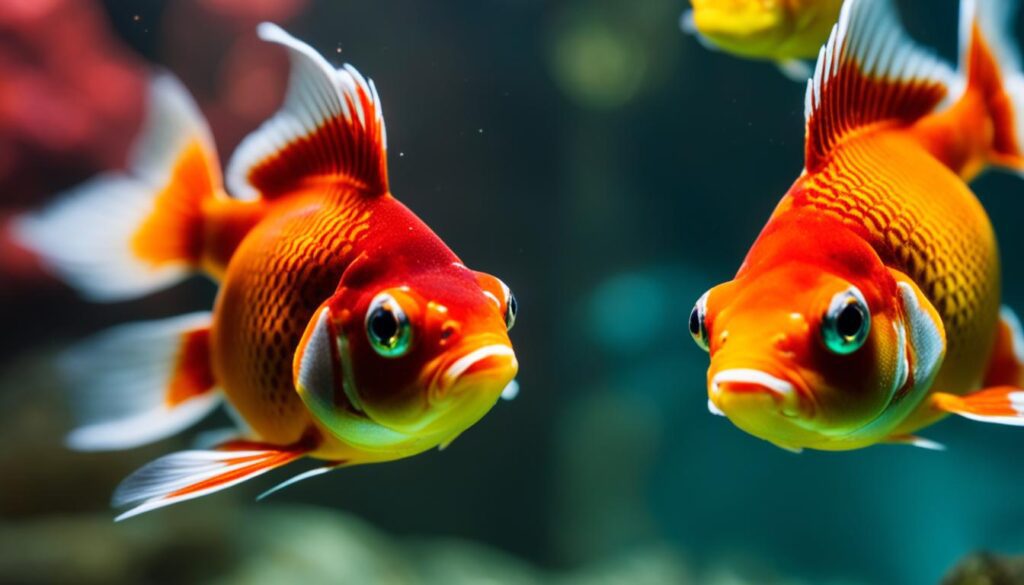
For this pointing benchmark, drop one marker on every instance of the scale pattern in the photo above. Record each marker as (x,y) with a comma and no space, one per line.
(286,267)
(924,221)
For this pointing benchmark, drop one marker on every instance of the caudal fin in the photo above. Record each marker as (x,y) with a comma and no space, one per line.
(122,235)
(990,62)
(140,382)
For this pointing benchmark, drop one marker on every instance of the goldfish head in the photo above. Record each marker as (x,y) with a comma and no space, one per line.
(745,27)
(401,365)
(824,349)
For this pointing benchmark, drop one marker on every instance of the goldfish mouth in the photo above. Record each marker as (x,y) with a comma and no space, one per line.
(737,384)
(490,358)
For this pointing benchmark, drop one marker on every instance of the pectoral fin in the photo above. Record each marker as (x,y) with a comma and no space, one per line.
(915,441)
(190,474)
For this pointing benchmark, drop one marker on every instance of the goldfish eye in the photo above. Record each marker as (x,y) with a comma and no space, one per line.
(698,327)
(511,309)
(847,322)
(387,327)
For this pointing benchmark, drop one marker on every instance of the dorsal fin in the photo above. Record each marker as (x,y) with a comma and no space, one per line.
(329,131)
(869,72)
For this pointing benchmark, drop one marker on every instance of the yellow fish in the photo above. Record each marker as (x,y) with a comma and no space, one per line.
(783,31)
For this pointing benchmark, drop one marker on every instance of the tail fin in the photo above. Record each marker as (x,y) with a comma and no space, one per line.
(140,382)
(990,61)
(122,235)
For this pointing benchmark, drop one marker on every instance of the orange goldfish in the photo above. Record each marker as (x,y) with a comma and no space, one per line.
(784,31)
(869,306)
(344,329)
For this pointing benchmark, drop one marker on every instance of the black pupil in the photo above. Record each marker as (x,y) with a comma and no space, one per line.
(850,320)
(384,325)
(513,306)
(694,322)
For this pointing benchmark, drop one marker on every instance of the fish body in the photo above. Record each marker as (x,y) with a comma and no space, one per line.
(344,328)
(783,31)
(869,306)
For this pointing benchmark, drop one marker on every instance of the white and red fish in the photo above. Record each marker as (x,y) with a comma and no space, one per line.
(344,329)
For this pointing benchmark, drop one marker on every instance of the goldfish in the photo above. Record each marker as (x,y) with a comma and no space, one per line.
(344,330)
(786,32)
(869,306)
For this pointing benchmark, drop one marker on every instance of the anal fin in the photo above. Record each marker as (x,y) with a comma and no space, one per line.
(186,475)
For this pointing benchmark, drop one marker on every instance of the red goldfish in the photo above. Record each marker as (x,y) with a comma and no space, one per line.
(344,329)
(869,306)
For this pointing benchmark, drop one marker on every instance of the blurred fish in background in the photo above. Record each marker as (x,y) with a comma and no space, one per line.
(786,32)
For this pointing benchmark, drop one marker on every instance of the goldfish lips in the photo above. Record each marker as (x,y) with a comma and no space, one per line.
(464,382)
(746,393)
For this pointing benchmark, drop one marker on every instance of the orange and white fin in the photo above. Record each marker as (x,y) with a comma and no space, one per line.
(991,63)
(186,475)
(140,382)
(1006,366)
(329,131)
(869,73)
(124,234)
(915,441)
(1001,405)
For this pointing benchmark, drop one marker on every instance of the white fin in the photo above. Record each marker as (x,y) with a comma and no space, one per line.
(796,70)
(86,237)
(190,474)
(296,479)
(915,441)
(869,71)
(119,384)
(330,129)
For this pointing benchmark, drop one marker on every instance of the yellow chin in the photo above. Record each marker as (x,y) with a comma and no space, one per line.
(467,389)
(747,30)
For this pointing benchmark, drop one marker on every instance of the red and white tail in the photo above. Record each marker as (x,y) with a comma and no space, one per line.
(140,382)
(124,234)
(991,64)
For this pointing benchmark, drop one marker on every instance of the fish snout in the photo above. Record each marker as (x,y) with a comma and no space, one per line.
(482,366)
(744,389)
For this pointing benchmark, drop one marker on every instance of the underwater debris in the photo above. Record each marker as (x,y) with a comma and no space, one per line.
(987,569)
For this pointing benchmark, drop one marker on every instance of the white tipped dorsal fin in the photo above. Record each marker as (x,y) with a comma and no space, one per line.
(328,131)
(869,72)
